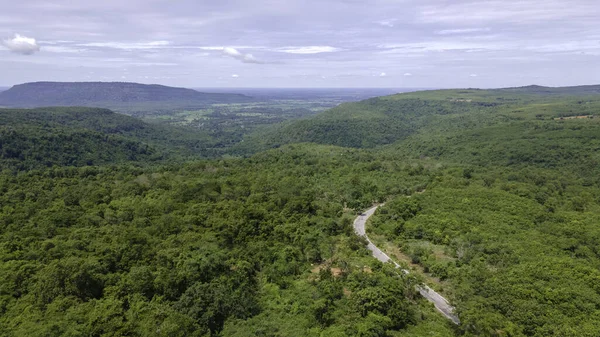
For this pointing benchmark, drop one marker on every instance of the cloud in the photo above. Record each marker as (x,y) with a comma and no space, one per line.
(235,75)
(153,64)
(407,74)
(63,49)
(236,54)
(382,75)
(386,23)
(308,50)
(462,31)
(580,46)
(508,11)
(128,46)
(207,48)
(473,75)
(442,41)
(21,45)
(440,46)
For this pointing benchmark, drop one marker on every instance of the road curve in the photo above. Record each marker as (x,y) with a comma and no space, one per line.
(440,303)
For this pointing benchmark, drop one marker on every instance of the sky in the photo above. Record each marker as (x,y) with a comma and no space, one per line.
(302,43)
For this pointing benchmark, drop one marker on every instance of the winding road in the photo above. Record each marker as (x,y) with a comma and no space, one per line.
(440,303)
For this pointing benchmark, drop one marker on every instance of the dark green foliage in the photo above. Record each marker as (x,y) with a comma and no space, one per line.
(89,136)
(205,248)
(515,254)
(437,118)
(365,124)
(489,191)
(515,266)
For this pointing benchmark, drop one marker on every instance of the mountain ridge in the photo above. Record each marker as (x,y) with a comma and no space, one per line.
(107,95)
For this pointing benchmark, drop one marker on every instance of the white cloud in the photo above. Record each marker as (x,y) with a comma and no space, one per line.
(507,11)
(579,46)
(236,54)
(62,49)
(21,45)
(128,46)
(382,75)
(439,46)
(235,75)
(207,48)
(386,23)
(462,31)
(153,64)
(56,42)
(215,48)
(473,75)
(308,50)
(407,74)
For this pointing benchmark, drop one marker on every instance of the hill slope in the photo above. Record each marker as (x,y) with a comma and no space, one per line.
(541,90)
(87,136)
(492,196)
(385,120)
(119,95)
(508,224)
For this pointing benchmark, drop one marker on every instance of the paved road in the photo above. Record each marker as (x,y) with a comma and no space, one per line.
(440,303)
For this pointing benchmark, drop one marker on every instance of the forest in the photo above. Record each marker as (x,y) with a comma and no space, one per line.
(490,196)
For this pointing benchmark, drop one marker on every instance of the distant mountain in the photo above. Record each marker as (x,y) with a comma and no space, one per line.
(80,136)
(541,90)
(120,96)
(4,88)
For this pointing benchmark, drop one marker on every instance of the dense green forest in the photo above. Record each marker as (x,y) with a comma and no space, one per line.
(243,247)
(44,137)
(391,119)
(491,197)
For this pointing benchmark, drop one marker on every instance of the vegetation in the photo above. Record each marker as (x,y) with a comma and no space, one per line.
(240,248)
(391,119)
(217,120)
(518,247)
(493,194)
(46,137)
(110,95)
(510,226)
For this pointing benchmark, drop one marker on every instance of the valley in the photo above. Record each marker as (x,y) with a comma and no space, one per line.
(121,225)
(296,168)
(220,119)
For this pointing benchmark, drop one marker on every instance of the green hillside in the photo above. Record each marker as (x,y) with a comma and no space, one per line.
(385,120)
(491,197)
(508,226)
(519,129)
(365,124)
(89,136)
(225,248)
(582,90)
